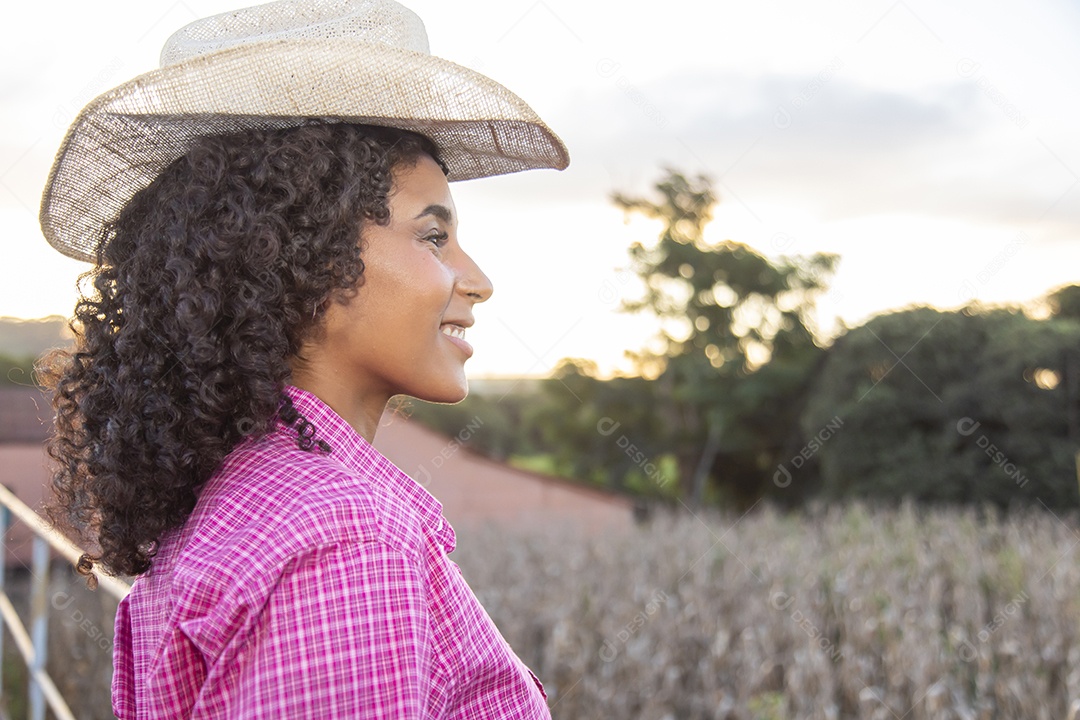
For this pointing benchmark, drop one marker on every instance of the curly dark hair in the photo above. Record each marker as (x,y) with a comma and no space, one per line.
(206,285)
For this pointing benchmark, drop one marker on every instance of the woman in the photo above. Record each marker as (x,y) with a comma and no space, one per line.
(266,277)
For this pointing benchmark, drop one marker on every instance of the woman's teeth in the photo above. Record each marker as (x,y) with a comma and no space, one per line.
(454,331)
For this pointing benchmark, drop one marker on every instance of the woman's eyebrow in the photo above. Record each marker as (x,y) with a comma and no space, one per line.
(440,211)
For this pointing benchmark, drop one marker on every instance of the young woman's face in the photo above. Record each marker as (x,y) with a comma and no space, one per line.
(397,333)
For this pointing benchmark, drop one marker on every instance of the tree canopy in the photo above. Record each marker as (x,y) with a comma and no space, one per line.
(967,406)
(736,313)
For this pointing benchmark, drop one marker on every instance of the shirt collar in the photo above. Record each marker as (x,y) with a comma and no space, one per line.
(358,455)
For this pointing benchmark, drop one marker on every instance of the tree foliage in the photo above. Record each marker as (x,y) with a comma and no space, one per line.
(730,302)
(739,347)
(571,424)
(964,407)
(1064,302)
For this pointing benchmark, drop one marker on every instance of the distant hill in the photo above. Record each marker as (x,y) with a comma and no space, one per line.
(504,385)
(30,338)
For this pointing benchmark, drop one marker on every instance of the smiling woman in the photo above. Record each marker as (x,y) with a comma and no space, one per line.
(264,282)
(417,294)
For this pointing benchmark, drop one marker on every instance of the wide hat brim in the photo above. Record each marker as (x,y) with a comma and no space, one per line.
(124,138)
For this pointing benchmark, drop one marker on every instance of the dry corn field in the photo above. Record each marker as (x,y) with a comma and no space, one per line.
(851,613)
(845,613)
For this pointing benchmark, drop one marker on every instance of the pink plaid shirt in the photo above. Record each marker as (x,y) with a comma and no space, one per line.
(308,584)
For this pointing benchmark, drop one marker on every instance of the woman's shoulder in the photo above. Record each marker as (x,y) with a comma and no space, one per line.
(266,505)
(272,505)
(288,495)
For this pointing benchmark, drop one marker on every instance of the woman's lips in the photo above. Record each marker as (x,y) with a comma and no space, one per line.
(456,334)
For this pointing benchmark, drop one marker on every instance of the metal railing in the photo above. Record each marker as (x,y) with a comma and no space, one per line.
(32,645)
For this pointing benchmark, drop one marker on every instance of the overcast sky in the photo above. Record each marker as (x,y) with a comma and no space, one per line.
(933,146)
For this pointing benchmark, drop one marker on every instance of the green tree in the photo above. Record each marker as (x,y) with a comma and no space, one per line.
(1065,302)
(603,431)
(958,407)
(493,425)
(571,424)
(727,311)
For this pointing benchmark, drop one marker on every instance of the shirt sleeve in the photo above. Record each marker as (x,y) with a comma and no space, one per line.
(345,633)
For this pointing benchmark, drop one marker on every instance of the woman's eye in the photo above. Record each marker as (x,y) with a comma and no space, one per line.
(437,239)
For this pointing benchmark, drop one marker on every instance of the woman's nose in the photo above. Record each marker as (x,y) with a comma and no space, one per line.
(473,282)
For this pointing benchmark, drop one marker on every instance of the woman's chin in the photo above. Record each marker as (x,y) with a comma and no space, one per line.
(449,395)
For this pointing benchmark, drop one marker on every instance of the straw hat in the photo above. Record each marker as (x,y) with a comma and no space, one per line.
(278,65)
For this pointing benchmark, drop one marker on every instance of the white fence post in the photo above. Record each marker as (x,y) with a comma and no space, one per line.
(39,625)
